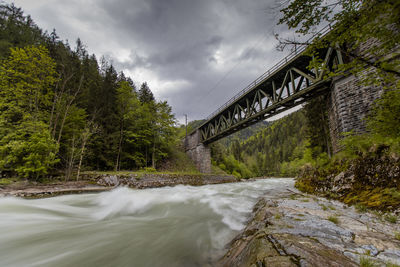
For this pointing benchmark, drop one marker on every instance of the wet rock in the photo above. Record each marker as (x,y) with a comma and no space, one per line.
(369,250)
(110,180)
(392,256)
(296,230)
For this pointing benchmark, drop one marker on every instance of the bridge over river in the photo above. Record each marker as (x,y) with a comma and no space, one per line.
(287,84)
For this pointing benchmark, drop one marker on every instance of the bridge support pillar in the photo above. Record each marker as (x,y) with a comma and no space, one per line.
(198,152)
(349,102)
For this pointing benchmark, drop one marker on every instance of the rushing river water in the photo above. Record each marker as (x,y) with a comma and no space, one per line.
(171,226)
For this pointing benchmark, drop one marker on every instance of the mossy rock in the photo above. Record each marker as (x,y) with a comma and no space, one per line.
(375,198)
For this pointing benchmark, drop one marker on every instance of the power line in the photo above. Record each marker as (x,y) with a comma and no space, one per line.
(256,45)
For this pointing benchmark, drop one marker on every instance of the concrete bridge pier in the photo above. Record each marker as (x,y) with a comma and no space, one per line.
(198,152)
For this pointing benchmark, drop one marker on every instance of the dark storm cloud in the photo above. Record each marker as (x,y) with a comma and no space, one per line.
(182,48)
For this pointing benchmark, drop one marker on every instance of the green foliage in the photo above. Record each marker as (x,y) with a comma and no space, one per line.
(149,169)
(263,153)
(61,111)
(355,22)
(17,30)
(7,181)
(145,94)
(385,120)
(26,145)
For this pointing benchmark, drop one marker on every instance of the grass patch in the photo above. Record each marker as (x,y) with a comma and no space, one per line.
(389,264)
(366,262)
(360,208)
(331,207)
(277,216)
(305,200)
(8,181)
(390,218)
(397,236)
(324,207)
(333,219)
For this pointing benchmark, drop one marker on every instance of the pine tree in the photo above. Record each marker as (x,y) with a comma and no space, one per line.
(145,94)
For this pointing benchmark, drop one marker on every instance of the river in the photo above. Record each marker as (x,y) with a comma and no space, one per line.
(170,226)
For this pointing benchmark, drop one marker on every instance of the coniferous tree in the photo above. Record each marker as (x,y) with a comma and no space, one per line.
(145,94)
(61,111)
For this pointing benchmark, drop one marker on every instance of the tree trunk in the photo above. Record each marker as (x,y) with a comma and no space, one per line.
(85,138)
(67,109)
(70,162)
(153,157)
(56,99)
(117,165)
(146,156)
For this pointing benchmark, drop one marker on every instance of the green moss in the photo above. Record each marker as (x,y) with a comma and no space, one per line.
(278,216)
(324,207)
(374,198)
(333,219)
(8,181)
(397,236)
(305,186)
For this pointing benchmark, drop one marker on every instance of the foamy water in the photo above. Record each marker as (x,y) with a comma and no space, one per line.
(171,226)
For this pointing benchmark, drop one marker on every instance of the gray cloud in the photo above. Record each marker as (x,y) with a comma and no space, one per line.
(181,48)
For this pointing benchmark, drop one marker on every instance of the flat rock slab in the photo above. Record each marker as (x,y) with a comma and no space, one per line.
(295,229)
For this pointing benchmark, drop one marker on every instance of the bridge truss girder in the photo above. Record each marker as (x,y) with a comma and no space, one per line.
(287,87)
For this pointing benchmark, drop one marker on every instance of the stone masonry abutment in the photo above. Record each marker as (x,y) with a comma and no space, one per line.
(198,152)
(349,103)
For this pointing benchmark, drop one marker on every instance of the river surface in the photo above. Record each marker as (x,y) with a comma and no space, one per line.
(170,226)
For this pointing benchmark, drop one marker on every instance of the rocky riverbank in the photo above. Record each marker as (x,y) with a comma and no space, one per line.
(296,229)
(93,182)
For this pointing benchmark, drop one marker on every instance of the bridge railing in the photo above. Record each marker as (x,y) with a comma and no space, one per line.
(278,65)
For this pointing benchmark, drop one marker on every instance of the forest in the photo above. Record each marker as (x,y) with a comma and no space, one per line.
(278,148)
(63,111)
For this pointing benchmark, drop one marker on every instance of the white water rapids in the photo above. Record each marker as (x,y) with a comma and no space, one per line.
(170,226)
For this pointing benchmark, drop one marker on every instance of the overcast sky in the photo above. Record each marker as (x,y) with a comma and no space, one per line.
(196,54)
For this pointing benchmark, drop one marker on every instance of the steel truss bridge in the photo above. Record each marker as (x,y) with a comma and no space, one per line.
(287,84)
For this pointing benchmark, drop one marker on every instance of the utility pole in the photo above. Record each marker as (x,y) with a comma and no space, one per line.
(186,131)
(186,124)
